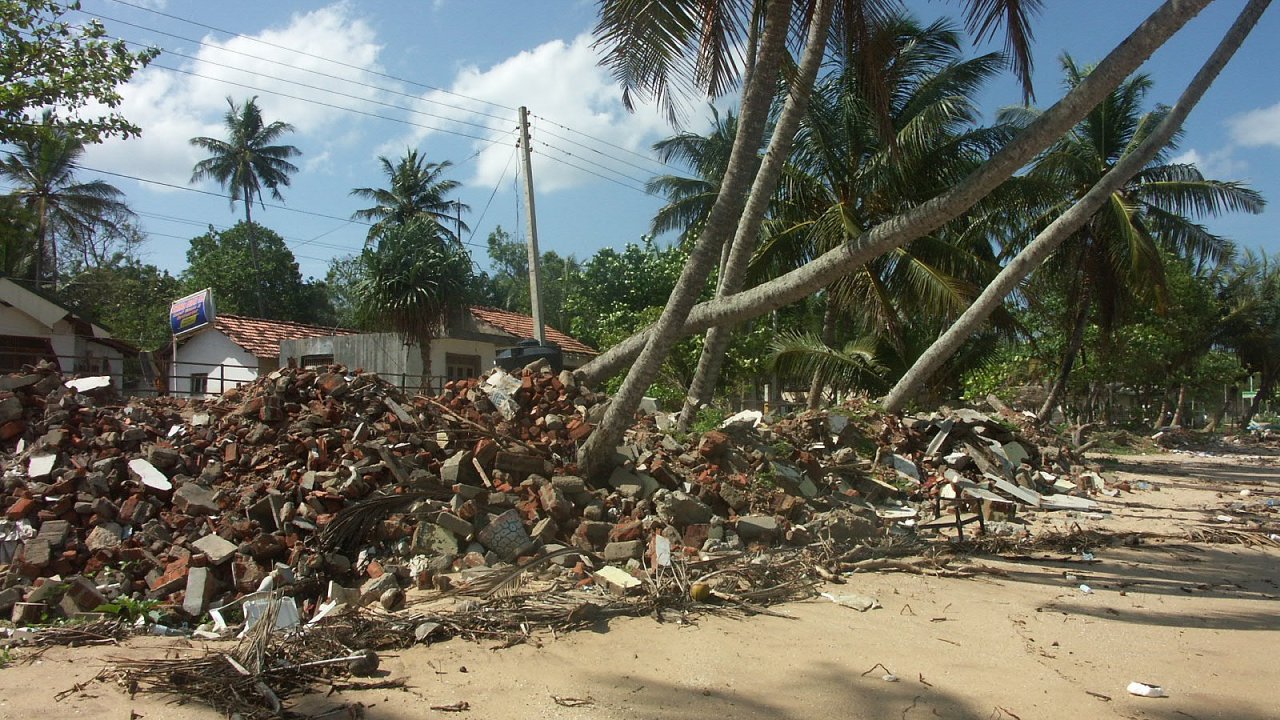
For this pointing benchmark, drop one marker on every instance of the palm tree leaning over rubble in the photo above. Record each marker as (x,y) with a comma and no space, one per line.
(645,48)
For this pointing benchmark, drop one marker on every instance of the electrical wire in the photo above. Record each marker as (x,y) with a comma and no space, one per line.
(292,67)
(311,55)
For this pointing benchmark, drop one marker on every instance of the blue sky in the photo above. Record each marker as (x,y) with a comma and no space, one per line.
(359,80)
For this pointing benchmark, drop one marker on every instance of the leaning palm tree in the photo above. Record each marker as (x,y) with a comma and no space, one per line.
(416,189)
(41,171)
(1078,216)
(850,172)
(652,46)
(413,280)
(1115,258)
(247,161)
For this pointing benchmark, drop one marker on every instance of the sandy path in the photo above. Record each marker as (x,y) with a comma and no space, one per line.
(1201,620)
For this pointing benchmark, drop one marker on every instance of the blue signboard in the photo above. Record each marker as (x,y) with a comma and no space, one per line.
(191,312)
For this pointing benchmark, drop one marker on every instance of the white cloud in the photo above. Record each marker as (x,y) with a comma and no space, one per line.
(172,107)
(562,85)
(1218,165)
(1256,127)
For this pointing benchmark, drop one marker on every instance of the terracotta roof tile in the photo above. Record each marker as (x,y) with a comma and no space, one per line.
(521,326)
(262,337)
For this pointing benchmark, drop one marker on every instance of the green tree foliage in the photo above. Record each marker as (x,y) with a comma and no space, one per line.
(1115,261)
(17,233)
(416,189)
(412,282)
(42,173)
(509,283)
(48,62)
(224,260)
(340,283)
(1252,330)
(129,298)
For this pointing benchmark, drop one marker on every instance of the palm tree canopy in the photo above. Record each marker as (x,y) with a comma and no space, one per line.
(848,174)
(247,161)
(41,171)
(413,279)
(416,189)
(1117,254)
(671,50)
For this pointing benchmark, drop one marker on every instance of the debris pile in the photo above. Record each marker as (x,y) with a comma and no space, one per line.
(333,484)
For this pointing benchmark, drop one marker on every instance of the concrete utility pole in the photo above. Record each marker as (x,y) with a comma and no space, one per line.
(535,274)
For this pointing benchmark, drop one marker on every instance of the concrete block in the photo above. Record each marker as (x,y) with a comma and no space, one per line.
(199,590)
(216,548)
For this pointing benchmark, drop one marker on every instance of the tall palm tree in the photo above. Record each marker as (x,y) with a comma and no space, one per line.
(41,171)
(1116,256)
(413,281)
(416,189)
(247,161)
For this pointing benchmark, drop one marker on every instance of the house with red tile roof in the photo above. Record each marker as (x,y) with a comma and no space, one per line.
(468,348)
(235,350)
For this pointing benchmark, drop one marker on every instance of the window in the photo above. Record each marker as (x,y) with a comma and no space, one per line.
(199,384)
(461,366)
(316,361)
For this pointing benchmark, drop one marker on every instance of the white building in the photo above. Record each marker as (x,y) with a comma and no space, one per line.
(34,327)
(468,348)
(235,350)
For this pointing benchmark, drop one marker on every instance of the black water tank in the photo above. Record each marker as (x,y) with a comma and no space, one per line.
(526,351)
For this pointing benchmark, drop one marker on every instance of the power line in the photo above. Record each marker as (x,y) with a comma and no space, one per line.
(311,55)
(325,104)
(492,194)
(606,142)
(292,67)
(592,172)
(321,89)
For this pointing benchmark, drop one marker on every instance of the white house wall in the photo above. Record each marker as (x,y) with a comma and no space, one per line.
(387,354)
(227,364)
(76,354)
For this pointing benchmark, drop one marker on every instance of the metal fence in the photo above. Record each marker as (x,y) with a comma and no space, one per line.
(147,377)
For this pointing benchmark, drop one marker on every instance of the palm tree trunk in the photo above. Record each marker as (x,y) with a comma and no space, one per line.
(734,270)
(1264,394)
(1180,408)
(1074,218)
(424,353)
(42,238)
(1059,387)
(927,216)
(597,453)
(253,254)
(814,399)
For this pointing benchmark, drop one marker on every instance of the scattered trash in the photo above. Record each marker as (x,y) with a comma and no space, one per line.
(861,603)
(1086,589)
(1146,690)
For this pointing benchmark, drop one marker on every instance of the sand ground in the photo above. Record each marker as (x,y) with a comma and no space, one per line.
(1202,620)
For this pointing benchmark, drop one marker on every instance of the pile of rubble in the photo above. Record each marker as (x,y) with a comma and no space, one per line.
(333,486)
